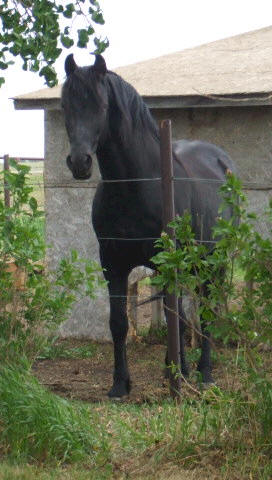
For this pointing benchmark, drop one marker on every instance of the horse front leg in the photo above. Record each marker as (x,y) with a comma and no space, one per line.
(117,285)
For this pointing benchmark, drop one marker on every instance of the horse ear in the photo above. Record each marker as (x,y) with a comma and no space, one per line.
(100,65)
(70,65)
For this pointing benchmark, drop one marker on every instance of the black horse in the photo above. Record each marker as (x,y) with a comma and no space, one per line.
(104,115)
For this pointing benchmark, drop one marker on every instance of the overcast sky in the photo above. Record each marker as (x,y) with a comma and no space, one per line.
(137,30)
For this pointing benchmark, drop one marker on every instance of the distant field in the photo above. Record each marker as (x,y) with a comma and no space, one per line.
(35,180)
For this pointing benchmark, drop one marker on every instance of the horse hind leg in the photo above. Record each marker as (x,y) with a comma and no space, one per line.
(117,285)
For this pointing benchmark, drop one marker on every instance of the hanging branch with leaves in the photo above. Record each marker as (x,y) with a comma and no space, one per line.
(37,30)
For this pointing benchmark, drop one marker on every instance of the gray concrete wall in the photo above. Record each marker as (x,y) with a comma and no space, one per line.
(244,132)
(68,225)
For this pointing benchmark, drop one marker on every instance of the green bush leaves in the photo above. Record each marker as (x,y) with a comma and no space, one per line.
(33,301)
(236,310)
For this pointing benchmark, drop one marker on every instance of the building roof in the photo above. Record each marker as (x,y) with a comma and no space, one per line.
(237,69)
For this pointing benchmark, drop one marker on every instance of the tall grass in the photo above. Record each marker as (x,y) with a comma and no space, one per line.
(36,424)
(226,431)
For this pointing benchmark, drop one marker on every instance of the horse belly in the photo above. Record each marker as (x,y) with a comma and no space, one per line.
(126,215)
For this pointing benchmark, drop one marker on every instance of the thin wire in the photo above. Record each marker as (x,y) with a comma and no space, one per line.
(190,179)
(94,183)
(128,239)
(132,296)
(121,180)
(148,239)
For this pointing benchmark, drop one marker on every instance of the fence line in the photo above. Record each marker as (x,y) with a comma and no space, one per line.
(246,185)
(148,239)
(24,159)
(93,184)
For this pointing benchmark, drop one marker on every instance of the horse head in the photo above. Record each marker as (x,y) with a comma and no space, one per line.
(85,105)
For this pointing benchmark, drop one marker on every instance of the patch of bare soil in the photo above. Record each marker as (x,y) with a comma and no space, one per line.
(89,379)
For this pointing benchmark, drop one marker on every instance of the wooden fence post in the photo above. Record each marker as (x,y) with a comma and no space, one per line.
(6,189)
(171,301)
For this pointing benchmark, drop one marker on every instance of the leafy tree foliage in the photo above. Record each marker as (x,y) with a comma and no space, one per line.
(37,31)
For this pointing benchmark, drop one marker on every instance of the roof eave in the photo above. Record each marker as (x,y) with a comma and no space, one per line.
(37,104)
(197,101)
(163,102)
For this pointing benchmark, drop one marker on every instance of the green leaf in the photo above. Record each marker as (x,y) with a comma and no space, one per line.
(66,41)
(3,65)
(70,8)
(74,256)
(97,17)
(83,38)
(33,204)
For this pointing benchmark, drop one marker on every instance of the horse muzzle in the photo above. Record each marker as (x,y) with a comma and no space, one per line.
(81,167)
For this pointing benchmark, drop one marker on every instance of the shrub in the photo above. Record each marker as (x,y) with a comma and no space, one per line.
(33,302)
(236,311)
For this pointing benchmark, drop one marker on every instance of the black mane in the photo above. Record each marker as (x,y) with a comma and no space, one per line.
(130,104)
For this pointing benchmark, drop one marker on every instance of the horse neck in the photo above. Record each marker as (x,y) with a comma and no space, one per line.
(129,150)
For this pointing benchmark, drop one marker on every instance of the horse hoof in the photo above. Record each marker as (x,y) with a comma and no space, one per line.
(119,390)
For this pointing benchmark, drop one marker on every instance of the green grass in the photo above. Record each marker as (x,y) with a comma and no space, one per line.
(37,425)
(65,440)
(63,349)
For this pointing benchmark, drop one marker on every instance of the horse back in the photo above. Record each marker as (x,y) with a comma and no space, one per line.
(200,169)
(203,160)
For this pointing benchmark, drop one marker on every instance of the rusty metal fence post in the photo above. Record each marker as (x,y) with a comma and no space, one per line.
(6,189)
(171,301)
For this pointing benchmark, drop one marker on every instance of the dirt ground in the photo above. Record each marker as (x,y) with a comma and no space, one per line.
(89,379)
